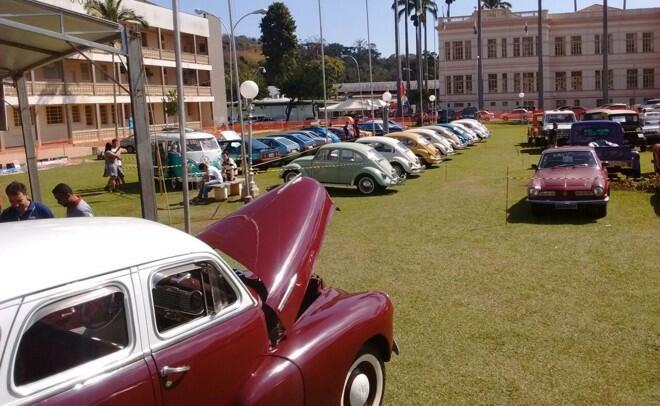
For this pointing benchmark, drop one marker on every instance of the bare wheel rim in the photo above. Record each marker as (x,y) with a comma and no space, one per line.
(366,185)
(289,176)
(364,382)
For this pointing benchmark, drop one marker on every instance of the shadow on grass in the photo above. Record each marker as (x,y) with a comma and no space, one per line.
(655,202)
(529,149)
(352,192)
(521,212)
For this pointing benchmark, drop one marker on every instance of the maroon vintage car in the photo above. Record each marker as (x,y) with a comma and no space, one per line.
(567,178)
(169,321)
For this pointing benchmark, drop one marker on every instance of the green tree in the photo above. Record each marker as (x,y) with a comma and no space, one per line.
(493,4)
(279,42)
(171,103)
(302,81)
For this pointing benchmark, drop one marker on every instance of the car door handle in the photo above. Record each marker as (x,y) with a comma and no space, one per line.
(166,371)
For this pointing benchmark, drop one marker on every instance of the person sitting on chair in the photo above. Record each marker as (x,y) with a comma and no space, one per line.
(228,167)
(212,176)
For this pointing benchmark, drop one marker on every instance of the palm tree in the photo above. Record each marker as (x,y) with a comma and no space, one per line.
(448,2)
(112,10)
(493,4)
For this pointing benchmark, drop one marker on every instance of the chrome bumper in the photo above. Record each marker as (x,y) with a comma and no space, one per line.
(568,202)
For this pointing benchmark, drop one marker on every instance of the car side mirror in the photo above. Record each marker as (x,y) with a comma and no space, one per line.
(605,164)
(535,167)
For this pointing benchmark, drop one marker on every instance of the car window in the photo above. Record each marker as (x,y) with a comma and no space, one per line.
(188,293)
(567,158)
(193,145)
(346,155)
(72,332)
(209,144)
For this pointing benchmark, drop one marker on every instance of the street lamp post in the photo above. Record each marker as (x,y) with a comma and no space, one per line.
(387,97)
(435,111)
(357,68)
(249,90)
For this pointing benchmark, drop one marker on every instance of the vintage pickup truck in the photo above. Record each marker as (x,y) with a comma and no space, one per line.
(607,139)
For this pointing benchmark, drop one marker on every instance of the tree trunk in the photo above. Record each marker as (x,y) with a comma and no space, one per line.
(407,49)
(420,108)
(399,110)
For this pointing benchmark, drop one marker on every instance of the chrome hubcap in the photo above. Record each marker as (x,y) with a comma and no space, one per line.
(367,185)
(360,389)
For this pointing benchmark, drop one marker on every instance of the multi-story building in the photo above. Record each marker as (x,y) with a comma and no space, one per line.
(572,58)
(71,101)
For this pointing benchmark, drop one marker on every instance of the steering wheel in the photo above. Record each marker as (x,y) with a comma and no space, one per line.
(101,312)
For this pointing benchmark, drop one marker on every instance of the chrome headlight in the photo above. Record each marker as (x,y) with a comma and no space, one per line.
(534,191)
(599,191)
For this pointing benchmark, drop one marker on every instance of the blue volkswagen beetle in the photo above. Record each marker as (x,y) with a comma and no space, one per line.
(303,142)
(281,144)
(324,132)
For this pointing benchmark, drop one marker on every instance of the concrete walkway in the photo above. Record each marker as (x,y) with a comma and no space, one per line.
(46,151)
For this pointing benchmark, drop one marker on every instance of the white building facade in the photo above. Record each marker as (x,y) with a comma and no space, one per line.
(73,102)
(572,58)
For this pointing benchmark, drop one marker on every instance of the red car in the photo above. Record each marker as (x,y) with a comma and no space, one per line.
(169,321)
(485,115)
(567,178)
(578,110)
(518,115)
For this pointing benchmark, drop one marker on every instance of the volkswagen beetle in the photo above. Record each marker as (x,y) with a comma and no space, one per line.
(345,164)
(170,322)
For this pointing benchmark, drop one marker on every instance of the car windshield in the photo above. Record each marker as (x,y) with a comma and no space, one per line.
(624,118)
(210,144)
(560,118)
(567,158)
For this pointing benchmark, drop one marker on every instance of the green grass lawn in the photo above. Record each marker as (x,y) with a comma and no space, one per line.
(492,305)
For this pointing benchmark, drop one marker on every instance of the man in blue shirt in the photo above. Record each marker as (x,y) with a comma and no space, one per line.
(20,207)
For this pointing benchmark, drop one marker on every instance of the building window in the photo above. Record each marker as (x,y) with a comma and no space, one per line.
(75,114)
(52,71)
(54,115)
(448,84)
(89,115)
(576,102)
(458,50)
(647,42)
(103,114)
(17,118)
(505,83)
(516,82)
(447,51)
(492,83)
(597,44)
(528,46)
(516,47)
(560,81)
(468,49)
(576,45)
(610,44)
(504,50)
(85,72)
(560,46)
(492,48)
(468,84)
(610,79)
(598,85)
(505,103)
(631,42)
(458,84)
(560,103)
(648,78)
(576,80)
(114,115)
(631,79)
(529,83)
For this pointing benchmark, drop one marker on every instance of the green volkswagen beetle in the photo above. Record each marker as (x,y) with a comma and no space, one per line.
(346,164)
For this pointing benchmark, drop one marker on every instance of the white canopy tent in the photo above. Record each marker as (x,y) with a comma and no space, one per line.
(355,105)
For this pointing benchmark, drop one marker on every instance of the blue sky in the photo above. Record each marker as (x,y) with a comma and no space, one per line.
(344,21)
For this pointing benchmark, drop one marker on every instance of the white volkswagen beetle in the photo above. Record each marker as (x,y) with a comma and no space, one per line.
(475,126)
(402,159)
(439,142)
(453,139)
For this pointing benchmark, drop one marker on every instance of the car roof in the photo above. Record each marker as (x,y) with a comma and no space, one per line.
(608,111)
(348,145)
(192,135)
(405,134)
(377,138)
(558,112)
(43,254)
(568,148)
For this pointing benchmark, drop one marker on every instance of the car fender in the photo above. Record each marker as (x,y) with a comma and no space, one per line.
(293,167)
(326,338)
(374,173)
(276,381)
(403,162)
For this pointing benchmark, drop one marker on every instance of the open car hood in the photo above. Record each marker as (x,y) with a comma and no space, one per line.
(277,237)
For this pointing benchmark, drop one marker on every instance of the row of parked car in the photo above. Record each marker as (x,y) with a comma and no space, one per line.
(373,163)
